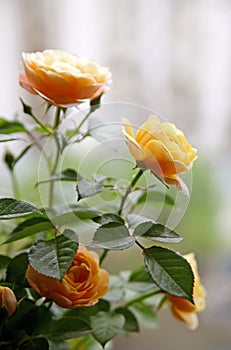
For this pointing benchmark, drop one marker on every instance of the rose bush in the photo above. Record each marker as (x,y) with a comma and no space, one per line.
(62,78)
(82,285)
(183,309)
(8,300)
(162,148)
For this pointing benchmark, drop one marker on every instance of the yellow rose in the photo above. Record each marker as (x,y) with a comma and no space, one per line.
(62,78)
(8,300)
(162,148)
(183,309)
(82,285)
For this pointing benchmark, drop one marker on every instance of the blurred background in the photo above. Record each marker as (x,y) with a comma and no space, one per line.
(172,57)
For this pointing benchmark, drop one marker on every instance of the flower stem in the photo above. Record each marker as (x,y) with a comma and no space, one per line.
(129,189)
(77,129)
(56,160)
(142,297)
(103,256)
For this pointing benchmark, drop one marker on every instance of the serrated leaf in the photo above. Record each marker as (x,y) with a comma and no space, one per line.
(10,127)
(53,258)
(134,220)
(131,324)
(113,236)
(106,325)
(108,217)
(170,271)
(86,188)
(12,208)
(156,232)
(29,227)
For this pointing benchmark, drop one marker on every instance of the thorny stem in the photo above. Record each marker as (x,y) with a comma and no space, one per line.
(129,189)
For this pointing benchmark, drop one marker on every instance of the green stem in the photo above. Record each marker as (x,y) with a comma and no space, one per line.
(103,256)
(15,185)
(142,297)
(129,189)
(77,129)
(56,160)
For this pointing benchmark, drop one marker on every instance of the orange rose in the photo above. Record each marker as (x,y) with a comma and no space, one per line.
(82,285)
(8,300)
(183,309)
(62,78)
(162,148)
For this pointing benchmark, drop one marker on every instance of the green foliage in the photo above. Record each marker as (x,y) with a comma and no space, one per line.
(30,227)
(11,127)
(12,208)
(53,258)
(52,233)
(156,232)
(106,325)
(170,271)
(113,236)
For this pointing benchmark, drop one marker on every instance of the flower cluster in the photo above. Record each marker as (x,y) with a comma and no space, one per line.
(52,279)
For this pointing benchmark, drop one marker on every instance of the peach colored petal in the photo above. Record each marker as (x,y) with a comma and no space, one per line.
(24,83)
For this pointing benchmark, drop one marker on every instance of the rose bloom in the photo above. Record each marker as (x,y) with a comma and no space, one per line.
(82,285)
(8,300)
(182,308)
(162,148)
(63,79)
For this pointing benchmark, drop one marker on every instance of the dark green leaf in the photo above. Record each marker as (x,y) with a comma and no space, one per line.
(10,127)
(113,236)
(134,220)
(24,315)
(156,197)
(170,271)
(29,227)
(34,344)
(67,328)
(4,262)
(156,232)
(53,258)
(85,313)
(109,217)
(131,324)
(17,269)
(13,208)
(106,325)
(86,188)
